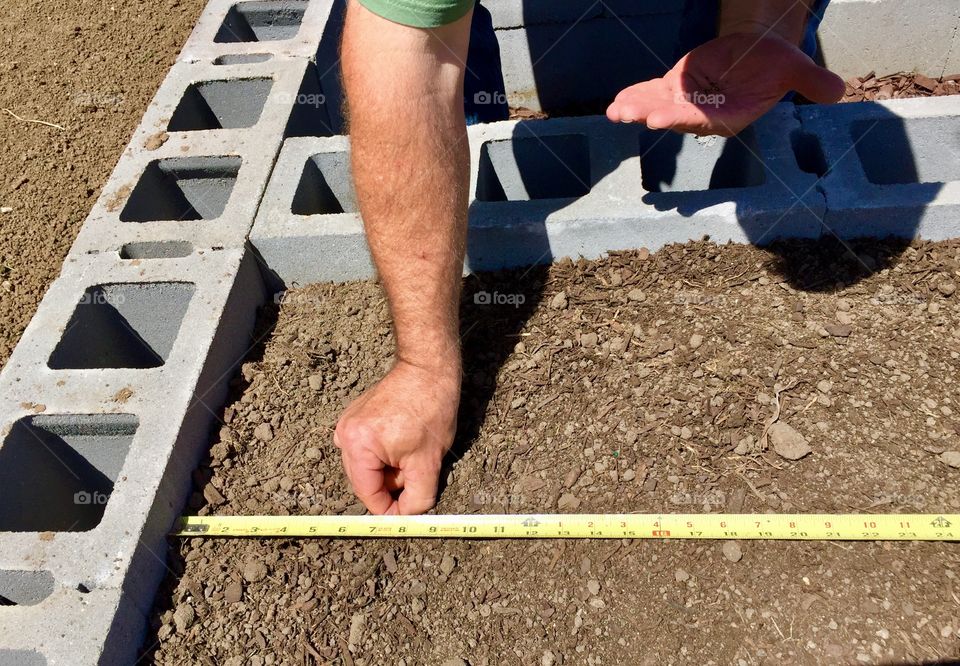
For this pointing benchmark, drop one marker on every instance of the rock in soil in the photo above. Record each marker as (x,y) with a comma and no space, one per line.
(732,551)
(787,442)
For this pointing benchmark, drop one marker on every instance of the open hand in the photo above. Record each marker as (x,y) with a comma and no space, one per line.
(724,85)
(393,438)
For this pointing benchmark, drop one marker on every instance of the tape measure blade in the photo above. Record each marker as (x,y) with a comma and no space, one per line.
(869,527)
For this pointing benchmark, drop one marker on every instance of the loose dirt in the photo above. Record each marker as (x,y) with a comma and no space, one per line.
(91,68)
(640,383)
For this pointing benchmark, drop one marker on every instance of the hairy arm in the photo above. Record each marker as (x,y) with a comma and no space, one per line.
(410,163)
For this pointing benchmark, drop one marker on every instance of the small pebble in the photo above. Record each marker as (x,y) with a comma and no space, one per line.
(183,617)
(254,571)
(837,329)
(787,442)
(568,502)
(358,623)
(732,551)
(233,593)
(951,458)
(447,564)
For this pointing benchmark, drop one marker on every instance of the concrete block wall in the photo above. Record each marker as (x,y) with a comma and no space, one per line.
(888,36)
(106,405)
(893,167)
(564,187)
(203,153)
(248,31)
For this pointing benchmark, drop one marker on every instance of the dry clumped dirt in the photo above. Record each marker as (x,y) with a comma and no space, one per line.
(639,383)
(91,68)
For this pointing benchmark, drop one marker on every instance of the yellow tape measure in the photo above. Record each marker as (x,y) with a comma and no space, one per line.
(845,527)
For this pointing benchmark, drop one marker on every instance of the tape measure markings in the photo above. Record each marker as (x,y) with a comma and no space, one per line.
(840,527)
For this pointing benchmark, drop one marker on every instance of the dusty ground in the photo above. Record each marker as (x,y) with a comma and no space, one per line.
(645,386)
(91,68)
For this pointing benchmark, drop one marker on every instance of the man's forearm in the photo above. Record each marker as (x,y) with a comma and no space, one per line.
(786,18)
(410,163)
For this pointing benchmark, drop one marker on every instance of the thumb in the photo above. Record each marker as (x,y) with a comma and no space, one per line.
(816,83)
(366,472)
(419,491)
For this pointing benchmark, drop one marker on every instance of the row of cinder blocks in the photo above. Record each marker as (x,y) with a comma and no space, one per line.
(107,402)
(582,186)
(106,406)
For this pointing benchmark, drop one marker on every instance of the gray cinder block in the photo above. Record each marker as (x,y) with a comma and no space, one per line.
(245,31)
(557,188)
(197,165)
(917,36)
(83,518)
(893,166)
(557,67)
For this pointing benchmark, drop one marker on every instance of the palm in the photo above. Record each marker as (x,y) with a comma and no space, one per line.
(724,85)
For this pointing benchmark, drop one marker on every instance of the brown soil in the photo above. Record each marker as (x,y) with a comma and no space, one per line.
(91,68)
(645,387)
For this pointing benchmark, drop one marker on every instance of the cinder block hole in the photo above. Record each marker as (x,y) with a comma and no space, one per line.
(226,104)
(262,21)
(156,250)
(57,472)
(687,163)
(547,167)
(182,188)
(242,58)
(921,150)
(126,325)
(809,152)
(21,658)
(24,588)
(325,186)
(317,107)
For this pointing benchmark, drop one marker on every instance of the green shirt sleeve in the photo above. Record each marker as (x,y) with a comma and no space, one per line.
(419,13)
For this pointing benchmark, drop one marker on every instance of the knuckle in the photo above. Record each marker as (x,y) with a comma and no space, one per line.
(352,432)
